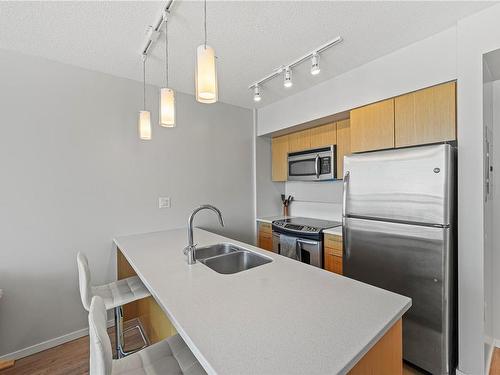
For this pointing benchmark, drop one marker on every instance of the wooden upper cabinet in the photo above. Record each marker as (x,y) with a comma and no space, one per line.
(324,135)
(343,145)
(426,116)
(279,150)
(299,141)
(372,126)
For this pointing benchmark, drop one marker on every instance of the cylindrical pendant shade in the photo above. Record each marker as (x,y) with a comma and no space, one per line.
(206,75)
(144,125)
(167,108)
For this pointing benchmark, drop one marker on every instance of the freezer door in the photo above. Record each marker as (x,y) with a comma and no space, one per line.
(412,184)
(413,261)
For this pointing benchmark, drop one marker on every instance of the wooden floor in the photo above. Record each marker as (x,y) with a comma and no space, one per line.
(73,357)
(69,358)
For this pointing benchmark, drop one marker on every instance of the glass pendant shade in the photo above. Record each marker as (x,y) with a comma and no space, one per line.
(206,75)
(144,125)
(167,108)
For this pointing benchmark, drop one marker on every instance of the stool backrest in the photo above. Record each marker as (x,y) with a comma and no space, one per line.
(84,280)
(101,354)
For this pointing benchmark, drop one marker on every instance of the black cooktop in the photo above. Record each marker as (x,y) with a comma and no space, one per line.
(304,227)
(309,222)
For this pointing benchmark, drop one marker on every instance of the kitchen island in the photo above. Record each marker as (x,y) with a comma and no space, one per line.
(283,317)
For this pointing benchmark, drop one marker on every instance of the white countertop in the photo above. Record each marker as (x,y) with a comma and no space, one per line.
(284,317)
(270,219)
(336,231)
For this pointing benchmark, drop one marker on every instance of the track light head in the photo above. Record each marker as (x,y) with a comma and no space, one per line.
(256,94)
(287,79)
(315,64)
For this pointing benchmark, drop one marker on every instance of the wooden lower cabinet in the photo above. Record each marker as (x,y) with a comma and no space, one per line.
(333,253)
(154,321)
(265,236)
(385,357)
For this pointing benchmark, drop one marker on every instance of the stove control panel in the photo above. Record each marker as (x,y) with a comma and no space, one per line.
(296,227)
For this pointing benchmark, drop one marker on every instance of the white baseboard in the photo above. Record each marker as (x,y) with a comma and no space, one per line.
(18,354)
(460,372)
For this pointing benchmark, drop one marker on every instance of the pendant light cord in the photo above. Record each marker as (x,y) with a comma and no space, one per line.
(205,22)
(166,50)
(144,80)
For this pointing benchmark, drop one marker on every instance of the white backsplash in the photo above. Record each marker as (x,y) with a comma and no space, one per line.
(321,200)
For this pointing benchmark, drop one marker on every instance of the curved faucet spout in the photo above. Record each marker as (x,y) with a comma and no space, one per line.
(189,250)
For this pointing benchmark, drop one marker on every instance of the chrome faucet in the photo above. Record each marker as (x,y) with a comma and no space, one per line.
(191,247)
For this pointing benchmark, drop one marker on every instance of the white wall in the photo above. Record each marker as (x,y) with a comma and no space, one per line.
(75,174)
(322,200)
(268,193)
(419,65)
(476,35)
(488,227)
(496,210)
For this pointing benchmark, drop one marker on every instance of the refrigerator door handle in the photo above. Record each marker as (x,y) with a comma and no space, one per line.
(344,213)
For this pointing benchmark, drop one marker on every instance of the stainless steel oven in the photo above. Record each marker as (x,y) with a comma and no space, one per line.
(301,238)
(317,164)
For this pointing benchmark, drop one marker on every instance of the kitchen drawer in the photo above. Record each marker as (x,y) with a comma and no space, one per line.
(333,241)
(334,251)
(265,228)
(333,264)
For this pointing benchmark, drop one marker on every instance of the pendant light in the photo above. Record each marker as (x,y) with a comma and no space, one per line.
(206,70)
(167,95)
(144,116)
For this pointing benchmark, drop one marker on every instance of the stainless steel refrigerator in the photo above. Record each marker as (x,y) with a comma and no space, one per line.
(399,234)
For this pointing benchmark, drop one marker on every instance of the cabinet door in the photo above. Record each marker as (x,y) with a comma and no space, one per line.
(265,236)
(324,135)
(343,145)
(426,116)
(279,147)
(333,253)
(372,127)
(299,141)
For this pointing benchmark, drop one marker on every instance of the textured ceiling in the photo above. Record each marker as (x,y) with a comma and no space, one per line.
(251,38)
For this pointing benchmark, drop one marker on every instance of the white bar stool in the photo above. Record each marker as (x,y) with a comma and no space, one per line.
(114,296)
(167,357)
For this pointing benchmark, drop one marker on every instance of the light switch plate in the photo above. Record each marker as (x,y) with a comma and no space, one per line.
(164,202)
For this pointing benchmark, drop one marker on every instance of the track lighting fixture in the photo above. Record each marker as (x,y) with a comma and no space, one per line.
(144,115)
(287,78)
(315,64)
(256,93)
(167,95)
(286,70)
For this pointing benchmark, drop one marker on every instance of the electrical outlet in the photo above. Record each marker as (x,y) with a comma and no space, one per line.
(164,202)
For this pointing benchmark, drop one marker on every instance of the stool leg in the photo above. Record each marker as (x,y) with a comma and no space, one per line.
(119,332)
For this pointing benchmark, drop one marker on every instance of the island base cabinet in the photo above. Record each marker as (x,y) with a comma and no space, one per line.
(385,357)
(154,321)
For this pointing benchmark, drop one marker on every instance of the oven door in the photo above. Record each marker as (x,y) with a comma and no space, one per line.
(312,165)
(307,251)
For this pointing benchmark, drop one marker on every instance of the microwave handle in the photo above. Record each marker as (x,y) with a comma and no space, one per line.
(316,165)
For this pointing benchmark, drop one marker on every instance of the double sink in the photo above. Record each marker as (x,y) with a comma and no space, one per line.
(227,258)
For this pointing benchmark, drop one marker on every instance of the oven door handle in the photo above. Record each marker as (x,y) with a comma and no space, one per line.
(306,242)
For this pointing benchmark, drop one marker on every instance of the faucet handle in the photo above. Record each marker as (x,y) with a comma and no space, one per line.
(188,248)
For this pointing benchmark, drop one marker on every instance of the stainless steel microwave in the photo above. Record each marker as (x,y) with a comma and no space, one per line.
(317,164)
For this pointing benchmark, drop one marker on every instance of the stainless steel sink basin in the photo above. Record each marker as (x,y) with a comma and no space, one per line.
(234,259)
(214,250)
